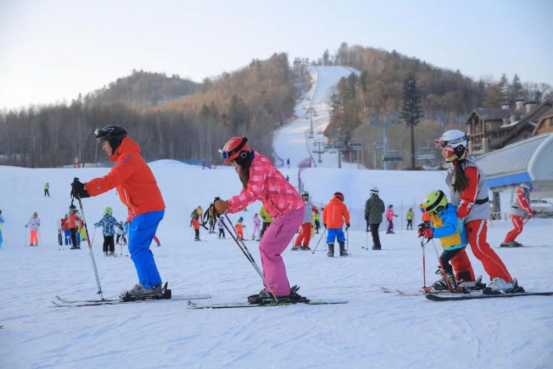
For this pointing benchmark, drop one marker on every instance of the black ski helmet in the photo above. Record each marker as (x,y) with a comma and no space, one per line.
(113,134)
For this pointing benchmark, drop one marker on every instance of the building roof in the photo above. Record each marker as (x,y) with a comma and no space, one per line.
(528,160)
(494,113)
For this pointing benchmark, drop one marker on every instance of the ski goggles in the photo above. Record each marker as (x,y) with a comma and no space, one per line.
(224,154)
(440,144)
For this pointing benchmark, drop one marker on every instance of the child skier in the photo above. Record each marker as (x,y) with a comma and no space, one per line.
(305,228)
(443,223)
(108,223)
(47,190)
(240,228)
(120,232)
(317,218)
(256,226)
(334,215)
(221,227)
(72,222)
(34,224)
(390,217)
(196,225)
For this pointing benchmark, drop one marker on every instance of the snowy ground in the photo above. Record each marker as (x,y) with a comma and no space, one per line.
(373,330)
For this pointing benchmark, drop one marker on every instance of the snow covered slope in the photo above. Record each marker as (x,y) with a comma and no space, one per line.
(292,140)
(373,330)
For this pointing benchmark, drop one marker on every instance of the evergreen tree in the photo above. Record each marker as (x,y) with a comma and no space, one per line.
(515,89)
(326,57)
(505,89)
(411,111)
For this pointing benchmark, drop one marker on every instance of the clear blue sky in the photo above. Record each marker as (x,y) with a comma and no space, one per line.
(52,50)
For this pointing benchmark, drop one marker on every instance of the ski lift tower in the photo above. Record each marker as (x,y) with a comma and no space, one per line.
(385,118)
(311,112)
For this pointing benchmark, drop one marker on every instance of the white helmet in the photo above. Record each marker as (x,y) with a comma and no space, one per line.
(452,138)
(374,190)
(527,186)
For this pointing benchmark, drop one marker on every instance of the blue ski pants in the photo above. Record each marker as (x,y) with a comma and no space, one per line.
(332,233)
(142,230)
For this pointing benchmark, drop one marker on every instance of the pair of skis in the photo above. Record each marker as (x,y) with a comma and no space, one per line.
(458,296)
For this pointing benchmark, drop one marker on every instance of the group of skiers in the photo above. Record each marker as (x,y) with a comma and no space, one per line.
(457,222)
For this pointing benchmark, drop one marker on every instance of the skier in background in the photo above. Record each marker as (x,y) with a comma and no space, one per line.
(262,181)
(334,215)
(390,215)
(108,223)
(240,229)
(374,208)
(137,188)
(288,162)
(469,192)
(1,226)
(72,222)
(267,220)
(120,232)
(199,213)
(317,221)
(196,225)
(66,231)
(409,216)
(47,190)
(76,163)
(34,224)
(221,227)
(256,227)
(520,209)
(302,241)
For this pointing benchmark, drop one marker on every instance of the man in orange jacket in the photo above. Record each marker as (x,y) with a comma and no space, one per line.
(137,188)
(334,215)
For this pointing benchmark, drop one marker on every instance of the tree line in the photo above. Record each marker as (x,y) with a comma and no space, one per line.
(250,102)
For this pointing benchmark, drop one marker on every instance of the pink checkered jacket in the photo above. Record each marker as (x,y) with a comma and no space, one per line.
(269,186)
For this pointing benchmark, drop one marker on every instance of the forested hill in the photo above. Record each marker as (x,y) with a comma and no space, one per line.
(143,89)
(260,94)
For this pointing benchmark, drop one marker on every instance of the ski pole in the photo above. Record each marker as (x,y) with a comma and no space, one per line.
(322,236)
(25,236)
(441,266)
(246,252)
(347,239)
(39,237)
(423,263)
(90,246)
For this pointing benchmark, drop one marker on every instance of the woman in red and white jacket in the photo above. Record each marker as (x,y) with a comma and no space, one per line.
(468,189)
(520,209)
(262,181)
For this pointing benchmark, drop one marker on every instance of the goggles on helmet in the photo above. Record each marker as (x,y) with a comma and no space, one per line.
(223,154)
(440,144)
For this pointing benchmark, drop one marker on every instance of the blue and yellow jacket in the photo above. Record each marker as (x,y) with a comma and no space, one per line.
(449,228)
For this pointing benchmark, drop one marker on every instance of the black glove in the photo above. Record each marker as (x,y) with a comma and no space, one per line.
(347,226)
(78,189)
(324,225)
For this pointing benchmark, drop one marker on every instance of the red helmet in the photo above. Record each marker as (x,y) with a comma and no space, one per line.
(233,148)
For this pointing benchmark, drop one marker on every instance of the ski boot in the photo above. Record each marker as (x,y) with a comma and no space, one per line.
(442,285)
(499,285)
(343,251)
(330,252)
(260,298)
(306,248)
(516,244)
(139,292)
(376,248)
(296,248)
(507,244)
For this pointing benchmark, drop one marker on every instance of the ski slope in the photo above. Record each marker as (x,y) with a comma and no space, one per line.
(374,330)
(292,141)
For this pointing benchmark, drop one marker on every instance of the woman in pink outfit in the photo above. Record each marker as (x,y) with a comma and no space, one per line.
(262,181)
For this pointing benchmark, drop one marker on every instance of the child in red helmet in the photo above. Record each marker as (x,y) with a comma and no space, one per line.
(262,181)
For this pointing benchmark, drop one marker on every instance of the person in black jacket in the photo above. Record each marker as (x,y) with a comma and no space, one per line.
(374,208)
